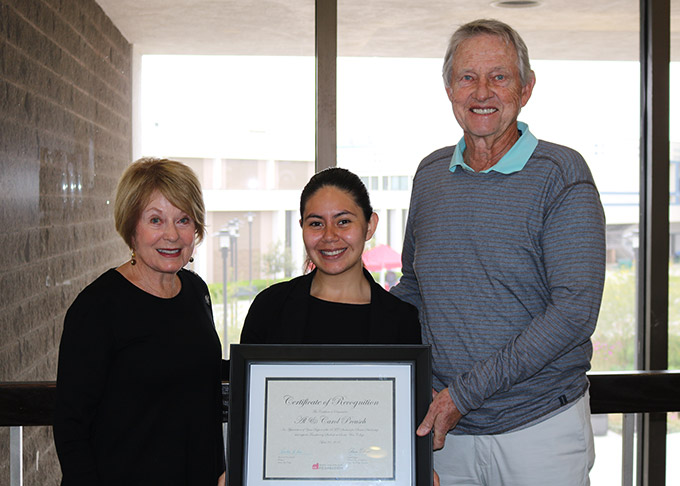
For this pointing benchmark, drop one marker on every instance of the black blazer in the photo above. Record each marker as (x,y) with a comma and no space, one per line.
(278,315)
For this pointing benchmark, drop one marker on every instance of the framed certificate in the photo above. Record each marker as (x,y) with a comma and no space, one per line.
(328,414)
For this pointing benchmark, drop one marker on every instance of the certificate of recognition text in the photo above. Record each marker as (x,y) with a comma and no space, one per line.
(340,428)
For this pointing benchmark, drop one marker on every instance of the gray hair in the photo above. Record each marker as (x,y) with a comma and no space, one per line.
(487,27)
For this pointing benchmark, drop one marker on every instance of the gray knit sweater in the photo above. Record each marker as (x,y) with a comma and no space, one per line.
(507,272)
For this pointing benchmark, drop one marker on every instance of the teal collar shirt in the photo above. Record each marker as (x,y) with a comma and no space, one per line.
(513,161)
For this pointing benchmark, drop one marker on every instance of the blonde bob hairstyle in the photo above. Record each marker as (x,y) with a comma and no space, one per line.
(176,181)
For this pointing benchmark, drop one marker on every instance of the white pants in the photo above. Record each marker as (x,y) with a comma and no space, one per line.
(556,452)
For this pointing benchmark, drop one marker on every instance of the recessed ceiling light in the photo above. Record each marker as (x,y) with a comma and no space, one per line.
(516,4)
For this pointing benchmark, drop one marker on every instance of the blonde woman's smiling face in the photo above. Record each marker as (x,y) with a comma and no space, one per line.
(164,237)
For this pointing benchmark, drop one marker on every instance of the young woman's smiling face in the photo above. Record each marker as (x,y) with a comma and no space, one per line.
(164,237)
(334,230)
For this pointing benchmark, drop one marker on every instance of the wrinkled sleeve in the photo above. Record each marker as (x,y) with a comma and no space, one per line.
(573,245)
(407,289)
(84,360)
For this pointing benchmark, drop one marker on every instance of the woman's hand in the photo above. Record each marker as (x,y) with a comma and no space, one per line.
(220,480)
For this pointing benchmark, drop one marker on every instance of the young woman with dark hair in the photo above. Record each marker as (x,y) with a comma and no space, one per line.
(338,302)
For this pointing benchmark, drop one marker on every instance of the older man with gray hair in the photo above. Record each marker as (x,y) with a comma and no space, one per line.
(504,256)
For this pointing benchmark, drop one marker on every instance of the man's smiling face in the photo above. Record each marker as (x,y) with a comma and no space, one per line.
(486,91)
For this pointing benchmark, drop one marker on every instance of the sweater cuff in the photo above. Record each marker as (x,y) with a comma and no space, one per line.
(460,400)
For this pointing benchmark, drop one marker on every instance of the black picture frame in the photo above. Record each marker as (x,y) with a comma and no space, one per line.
(415,358)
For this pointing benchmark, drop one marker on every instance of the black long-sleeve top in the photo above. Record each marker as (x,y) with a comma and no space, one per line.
(139,387)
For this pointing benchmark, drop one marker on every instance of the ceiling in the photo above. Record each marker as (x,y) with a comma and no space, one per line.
(556,29)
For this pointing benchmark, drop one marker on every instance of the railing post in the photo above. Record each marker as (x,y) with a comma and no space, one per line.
(16,465)
(628,448)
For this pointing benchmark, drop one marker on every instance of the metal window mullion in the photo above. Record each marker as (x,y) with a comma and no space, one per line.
(326,42)
(654,227)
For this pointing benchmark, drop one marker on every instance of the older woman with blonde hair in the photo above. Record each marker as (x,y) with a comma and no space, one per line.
(138,384)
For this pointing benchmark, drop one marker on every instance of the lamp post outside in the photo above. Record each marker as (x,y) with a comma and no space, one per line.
(224,241)
(227,239)
(234,234)
(250,217)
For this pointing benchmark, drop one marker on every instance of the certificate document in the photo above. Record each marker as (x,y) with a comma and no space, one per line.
(329,428)
(320,423)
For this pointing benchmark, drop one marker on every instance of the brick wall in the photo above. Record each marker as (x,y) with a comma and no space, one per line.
(65,137)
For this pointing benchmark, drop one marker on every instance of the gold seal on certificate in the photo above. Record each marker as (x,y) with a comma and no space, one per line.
(323,428)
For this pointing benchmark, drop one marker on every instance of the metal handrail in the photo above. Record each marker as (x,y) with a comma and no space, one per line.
(627,392)
(634,391)
(32,403)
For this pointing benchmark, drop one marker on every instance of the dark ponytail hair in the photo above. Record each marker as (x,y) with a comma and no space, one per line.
(342,179)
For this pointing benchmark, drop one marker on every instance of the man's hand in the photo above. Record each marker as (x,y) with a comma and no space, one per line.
(442,416)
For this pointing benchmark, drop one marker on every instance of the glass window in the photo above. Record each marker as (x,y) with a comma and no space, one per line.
(251,140)
(587,97)
(399,183)
(608,432)
(246,125)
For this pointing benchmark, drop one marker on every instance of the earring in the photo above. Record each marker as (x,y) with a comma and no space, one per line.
(132,257)
(191,259)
